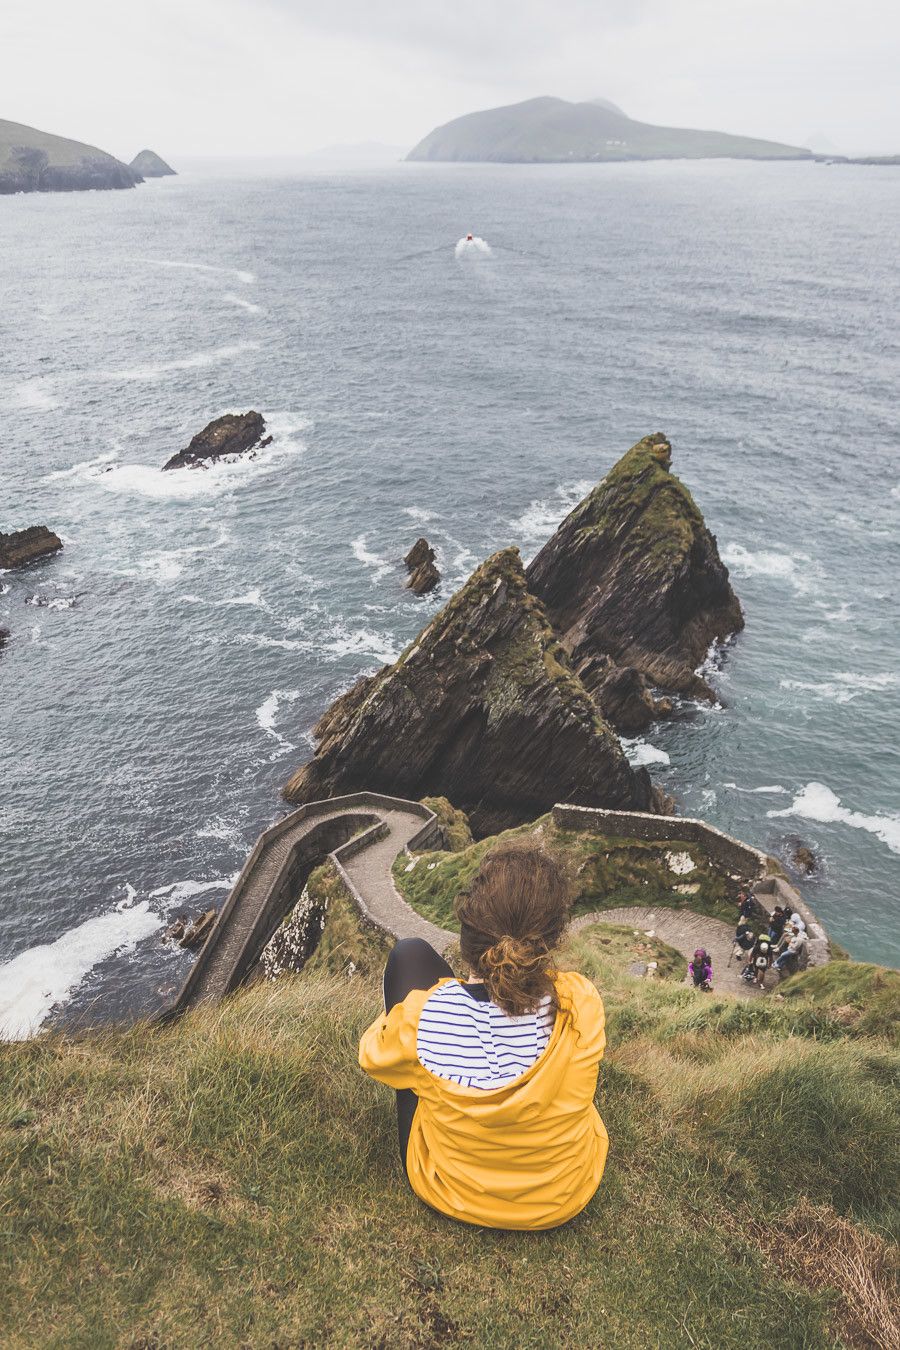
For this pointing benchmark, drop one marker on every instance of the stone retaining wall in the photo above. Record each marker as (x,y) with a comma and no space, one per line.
(328,837)
(768,889)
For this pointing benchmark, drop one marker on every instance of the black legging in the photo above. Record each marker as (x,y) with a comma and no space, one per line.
(413,964)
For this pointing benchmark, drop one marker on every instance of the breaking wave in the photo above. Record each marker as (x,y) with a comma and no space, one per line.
(798,569)
(380,566)
(194,362)
(542,516)
(816,801)
(241,303)
(267,712)
(843,687)
(638,753)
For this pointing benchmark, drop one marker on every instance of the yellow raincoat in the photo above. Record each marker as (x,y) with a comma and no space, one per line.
(529,1155)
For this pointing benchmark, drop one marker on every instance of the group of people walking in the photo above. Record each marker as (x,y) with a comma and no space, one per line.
(781,945)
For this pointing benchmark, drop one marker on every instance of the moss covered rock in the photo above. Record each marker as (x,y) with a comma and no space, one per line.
(633,582)
(482,707)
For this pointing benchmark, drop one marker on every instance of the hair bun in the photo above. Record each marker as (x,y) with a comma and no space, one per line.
(514,954)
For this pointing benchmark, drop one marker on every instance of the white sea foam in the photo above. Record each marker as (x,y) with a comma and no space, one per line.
(798,569)
(419,514)
(542,516)
(195,361)
(381,566)
(246,277)
(773,788)
(85,468)
(217,827)
(57,602)
(638,752)
(218,479)
(844,687)
(267,712)
(43,976)
(253,597)
(337,640)
(840,615)
(816,801)
(241,303)
(186,890)
(472,248)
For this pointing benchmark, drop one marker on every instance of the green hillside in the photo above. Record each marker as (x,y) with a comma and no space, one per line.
(232,1180)
(36,161)
(550,130)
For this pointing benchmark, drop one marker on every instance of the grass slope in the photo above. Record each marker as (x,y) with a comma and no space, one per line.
(232,1181)
(607,872)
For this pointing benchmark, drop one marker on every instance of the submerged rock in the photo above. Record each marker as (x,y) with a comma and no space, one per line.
(482,707)
(197,933)
(424,576)
(233,434)
(25,546)
(633,579)
(148,164)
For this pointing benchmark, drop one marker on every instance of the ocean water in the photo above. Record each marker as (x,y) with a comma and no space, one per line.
(166,669)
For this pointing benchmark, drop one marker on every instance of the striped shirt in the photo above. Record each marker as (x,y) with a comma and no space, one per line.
(465,1038)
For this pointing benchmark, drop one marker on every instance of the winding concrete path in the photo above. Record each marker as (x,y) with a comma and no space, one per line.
(369,830)
(685,931)
(369,873)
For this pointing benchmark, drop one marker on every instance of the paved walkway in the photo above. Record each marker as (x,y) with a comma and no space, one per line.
(369,872)
(685,931)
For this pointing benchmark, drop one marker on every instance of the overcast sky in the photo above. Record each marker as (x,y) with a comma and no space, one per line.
(278,77)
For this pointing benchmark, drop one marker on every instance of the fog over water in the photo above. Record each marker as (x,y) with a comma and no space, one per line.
(166,669)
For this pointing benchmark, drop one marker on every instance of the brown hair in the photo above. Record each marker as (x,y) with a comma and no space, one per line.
(511,916)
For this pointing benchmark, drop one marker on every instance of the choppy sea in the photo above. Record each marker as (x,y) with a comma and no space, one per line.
(165,670)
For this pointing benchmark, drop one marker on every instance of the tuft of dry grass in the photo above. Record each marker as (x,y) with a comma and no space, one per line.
(815,1247)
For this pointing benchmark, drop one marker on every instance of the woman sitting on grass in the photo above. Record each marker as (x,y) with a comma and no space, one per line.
(496,1075)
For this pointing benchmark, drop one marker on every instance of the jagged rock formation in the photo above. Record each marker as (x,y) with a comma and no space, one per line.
(25,546)
(482,707)
(36,161)
(148,164)
(423,575)
(633,583)
(233,434)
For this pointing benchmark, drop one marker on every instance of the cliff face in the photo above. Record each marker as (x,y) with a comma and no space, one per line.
(633,583)
(483,708)
(36,161)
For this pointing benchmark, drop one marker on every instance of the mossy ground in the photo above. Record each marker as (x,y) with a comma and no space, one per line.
(232,1180)
(607,872)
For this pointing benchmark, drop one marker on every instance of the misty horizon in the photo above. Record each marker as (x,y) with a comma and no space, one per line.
(286,79)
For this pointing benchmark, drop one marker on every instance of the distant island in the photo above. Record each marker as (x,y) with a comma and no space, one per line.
(37,161)
(553,131)
(148,164)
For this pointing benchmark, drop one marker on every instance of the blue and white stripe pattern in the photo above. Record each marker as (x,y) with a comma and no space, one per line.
(476,1044)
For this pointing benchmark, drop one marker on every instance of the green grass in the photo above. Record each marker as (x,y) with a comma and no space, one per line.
(232,1180)
(607,872)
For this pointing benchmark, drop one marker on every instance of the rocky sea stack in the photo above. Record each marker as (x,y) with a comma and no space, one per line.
(148,164)
(36,161)
(482,707)
(633,584)
(26,546)
(423,575)
(233,434)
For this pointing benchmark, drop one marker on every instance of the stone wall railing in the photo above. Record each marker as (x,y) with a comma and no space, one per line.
(738,858)
(321,829)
